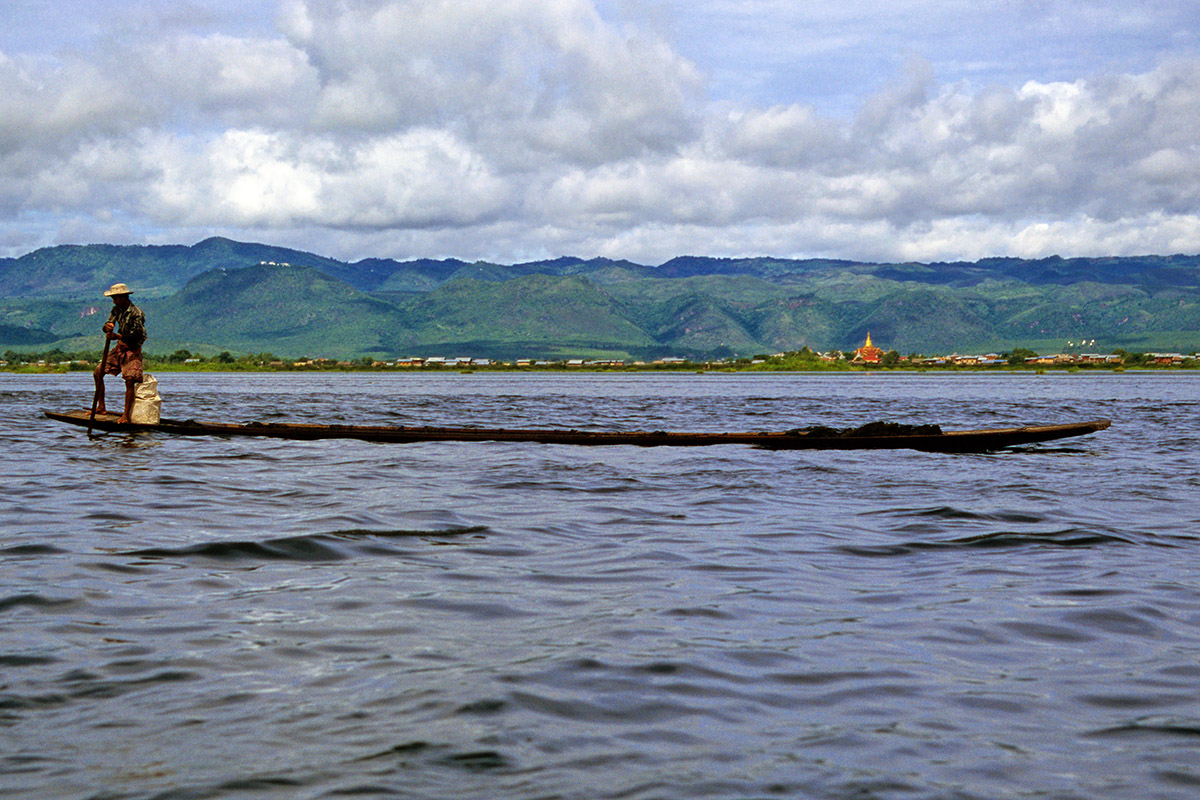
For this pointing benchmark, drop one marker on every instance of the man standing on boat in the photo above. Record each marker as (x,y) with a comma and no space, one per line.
(127,327)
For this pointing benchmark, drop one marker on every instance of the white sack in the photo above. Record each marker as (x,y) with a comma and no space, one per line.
(147,404)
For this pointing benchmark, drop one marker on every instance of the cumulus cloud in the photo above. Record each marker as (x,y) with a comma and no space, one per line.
(549,73)
(223,80)
(253,178)
(514,129)
(45,101)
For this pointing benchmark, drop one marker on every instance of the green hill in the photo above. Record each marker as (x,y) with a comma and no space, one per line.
(533,314)
(283,309)
(77,271)
(244,297)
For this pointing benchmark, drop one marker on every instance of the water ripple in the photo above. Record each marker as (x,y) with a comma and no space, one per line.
(1072,537)
(308,548)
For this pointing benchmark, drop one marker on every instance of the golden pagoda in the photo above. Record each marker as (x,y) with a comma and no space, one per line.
(868,353)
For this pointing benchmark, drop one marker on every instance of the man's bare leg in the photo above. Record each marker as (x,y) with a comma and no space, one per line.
(99,376)
(129,392)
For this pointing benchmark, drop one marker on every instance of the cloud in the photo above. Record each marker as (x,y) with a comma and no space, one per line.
(223,80)
(45,101)
(549,74)
(249,178)
(831,54)
(514,129)
(1091,161)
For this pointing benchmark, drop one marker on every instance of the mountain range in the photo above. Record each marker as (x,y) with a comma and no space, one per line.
(242,297)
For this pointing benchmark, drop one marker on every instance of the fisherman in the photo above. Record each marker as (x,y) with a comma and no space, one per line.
(127,327)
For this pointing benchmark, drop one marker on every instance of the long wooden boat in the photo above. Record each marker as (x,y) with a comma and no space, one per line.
(873,436)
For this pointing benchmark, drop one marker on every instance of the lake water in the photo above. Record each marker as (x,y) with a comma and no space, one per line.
(247,618)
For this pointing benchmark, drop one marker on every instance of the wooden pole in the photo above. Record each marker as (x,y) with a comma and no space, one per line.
(96,395)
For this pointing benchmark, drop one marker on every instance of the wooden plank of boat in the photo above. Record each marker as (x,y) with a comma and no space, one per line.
(927,438)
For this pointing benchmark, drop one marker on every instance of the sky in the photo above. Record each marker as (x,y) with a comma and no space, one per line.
(516,130)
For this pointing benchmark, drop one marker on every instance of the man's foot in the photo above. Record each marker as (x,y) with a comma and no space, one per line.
(100,409)
(123,420)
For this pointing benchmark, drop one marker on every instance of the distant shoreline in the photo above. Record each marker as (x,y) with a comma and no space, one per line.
(697,368)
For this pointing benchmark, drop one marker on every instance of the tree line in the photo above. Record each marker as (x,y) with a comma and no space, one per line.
(803,359)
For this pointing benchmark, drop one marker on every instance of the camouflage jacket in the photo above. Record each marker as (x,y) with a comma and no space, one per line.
(130,324)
